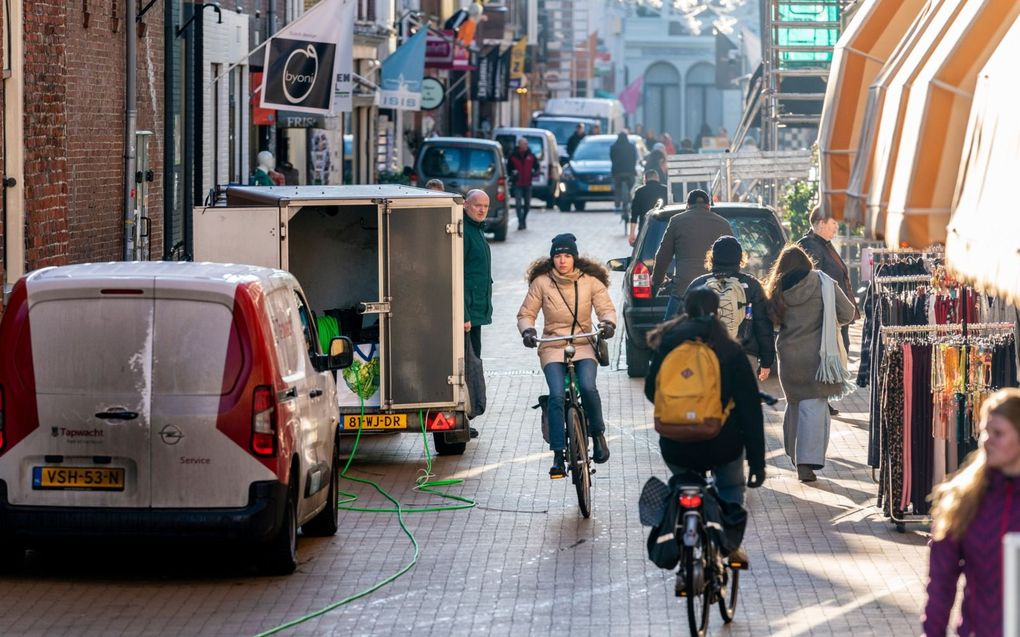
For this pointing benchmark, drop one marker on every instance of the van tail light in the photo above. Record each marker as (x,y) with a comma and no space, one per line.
(263,422)
(690,501)
(501,189)
(641,281)
(3,438)
(440,421)
(414,179)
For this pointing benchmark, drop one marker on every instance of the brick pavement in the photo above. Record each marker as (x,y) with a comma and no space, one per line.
(523,561)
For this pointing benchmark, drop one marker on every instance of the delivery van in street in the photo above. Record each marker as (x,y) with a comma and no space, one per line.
(167,401)
(381,265)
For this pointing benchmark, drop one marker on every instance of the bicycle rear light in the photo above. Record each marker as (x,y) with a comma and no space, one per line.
(690,501)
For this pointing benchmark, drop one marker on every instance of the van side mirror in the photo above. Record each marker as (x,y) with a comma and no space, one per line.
(341,353)
(618,265)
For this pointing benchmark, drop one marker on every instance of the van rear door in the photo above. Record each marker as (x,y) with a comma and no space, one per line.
(91,349)
(423,251)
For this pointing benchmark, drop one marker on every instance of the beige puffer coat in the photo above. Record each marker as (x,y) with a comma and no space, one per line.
(592,280)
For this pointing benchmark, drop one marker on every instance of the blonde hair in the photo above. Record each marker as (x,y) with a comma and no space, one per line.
(956,501)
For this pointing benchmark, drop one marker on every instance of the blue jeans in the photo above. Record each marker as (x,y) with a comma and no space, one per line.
(555,375)
(672,308)
(729,479)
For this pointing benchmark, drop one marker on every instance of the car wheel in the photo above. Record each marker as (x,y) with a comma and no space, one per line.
(327,521)
(579,205)
(563,205)
(279,556)
(444,448)
(637,360)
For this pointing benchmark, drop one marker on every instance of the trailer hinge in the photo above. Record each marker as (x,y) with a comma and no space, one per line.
(455,380)
(368,307)
(455,228)
(283,231)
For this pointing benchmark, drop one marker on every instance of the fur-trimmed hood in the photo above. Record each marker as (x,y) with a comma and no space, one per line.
(586,265)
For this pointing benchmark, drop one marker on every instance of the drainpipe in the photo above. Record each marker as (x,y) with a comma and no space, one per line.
(14,150)
(169,99)
(130,126)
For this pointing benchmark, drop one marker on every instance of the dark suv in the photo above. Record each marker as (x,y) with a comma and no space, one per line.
(756,227)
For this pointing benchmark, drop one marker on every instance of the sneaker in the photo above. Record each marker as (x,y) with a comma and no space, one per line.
(833,411)
(681,584)
(738,559)
(805,473)
(600,448)
(559,467)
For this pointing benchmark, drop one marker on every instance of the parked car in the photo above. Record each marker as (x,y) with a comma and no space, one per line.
(562,127)
(166,401)
(757,228)
(588,175)
(463,164)
(542,143)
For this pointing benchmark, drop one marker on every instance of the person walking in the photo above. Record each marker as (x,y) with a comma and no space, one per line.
(742,436)
(818,245)
(567,288)
(808,307)
(523,167)
(656,160)
(688,237)
(742,307)
(575,139)
(645,198)
(477,271)
(624,158)
(973,510)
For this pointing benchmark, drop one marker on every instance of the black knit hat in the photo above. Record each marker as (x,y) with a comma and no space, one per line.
(565,243)
(726,251)
(697,196)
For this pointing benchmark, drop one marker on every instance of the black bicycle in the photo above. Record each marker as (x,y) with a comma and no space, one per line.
(705,575)
(576,423)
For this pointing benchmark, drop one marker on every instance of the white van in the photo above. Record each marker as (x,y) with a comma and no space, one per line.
(608,112)
(164,400)
(543,144)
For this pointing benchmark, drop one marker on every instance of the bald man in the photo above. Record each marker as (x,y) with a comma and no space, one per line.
(477,271)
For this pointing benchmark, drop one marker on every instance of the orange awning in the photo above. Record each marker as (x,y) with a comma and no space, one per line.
(922,182)
(983,243)
(862,51)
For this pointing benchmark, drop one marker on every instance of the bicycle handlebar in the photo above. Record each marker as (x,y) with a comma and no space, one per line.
(571,337)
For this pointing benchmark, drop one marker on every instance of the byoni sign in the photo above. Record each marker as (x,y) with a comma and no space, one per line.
(300,74)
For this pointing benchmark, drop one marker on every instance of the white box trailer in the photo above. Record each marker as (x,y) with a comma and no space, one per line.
(386,263)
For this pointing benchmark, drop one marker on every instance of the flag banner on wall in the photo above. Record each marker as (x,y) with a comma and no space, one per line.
(402,74)
(304,58)
(630,97)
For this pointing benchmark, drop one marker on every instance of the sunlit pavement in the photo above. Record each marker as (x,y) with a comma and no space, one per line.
(523,561)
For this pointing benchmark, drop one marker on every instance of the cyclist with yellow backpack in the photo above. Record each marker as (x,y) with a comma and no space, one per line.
(707,409)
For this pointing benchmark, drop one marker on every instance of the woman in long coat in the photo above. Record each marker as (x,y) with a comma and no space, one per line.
(567,289)
(795,291)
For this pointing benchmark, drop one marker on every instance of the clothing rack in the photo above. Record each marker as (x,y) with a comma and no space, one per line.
(947,327)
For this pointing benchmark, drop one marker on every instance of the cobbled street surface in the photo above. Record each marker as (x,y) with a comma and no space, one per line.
(523,562)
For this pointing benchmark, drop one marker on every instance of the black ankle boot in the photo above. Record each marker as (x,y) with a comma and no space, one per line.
(559,467)
(601,448)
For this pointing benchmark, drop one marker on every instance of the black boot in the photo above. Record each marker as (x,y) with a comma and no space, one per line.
(559,467)
(601,448)
(522,222)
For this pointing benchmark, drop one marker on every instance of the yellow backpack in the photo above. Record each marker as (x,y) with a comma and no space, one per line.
(688,404)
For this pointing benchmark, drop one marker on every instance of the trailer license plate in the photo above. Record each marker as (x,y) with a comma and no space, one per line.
(90,478)
(600,188)
(376,421)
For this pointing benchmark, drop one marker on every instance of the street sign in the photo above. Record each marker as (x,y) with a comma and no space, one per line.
(433,93)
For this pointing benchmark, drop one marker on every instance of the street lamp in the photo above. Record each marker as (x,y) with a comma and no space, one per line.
(215,6)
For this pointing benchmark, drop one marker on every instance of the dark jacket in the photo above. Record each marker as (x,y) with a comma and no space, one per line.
(744,429)
(755,336)
(656,160)
(827,259)
(524,166)
(688,237)
(572,143)
(623,154)
(477,274)
(645,198)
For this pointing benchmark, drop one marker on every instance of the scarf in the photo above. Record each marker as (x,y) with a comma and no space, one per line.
(832,368)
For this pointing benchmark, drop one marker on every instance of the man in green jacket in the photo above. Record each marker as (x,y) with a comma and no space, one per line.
(477,271)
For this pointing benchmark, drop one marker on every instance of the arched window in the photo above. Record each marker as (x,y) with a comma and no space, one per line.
(704,102)
(662,112)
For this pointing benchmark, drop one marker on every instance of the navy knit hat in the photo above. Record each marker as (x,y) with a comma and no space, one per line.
(726,251)
(565,243)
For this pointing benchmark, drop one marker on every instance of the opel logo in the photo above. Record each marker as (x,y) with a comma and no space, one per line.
(299,72)
(170,435)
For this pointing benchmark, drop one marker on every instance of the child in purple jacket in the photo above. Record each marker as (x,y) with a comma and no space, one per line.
(973,511)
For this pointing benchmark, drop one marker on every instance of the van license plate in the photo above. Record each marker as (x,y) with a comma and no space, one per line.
(600,188)
(376,421)
(78,478)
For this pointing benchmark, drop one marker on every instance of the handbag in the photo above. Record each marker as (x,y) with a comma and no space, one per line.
(602,351)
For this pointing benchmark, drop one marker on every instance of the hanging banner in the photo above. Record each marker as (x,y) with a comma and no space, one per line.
(343,102)
(501,78)
(402,73)
(518,55)
(491,82)
(303,59)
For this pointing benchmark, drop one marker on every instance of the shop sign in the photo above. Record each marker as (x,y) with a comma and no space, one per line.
(433,93)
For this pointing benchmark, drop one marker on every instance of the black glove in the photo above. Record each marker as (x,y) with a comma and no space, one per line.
(530,337)
(607,329)
(756,479)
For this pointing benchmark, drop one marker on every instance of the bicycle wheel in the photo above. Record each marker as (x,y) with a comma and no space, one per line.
(698,600)
(579,461)
(728,593)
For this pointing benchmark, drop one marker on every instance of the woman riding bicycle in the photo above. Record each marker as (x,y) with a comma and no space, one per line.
(566,288)
(743,430)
